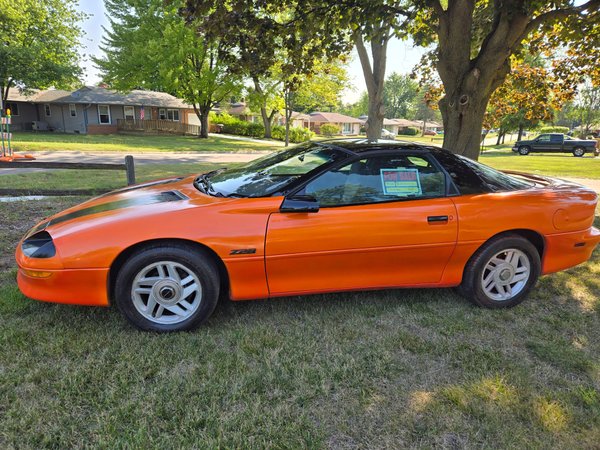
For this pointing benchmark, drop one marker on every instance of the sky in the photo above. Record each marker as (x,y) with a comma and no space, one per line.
(402,56)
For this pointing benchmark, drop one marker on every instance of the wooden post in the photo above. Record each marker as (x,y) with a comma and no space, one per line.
(130,168)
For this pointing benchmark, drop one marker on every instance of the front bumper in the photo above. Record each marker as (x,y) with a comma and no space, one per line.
(515,149)
(77,286)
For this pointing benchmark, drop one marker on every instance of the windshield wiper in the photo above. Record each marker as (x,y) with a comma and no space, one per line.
(203,183)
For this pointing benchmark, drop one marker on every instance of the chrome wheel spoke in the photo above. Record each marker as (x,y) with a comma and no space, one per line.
(176,309)
(519,277)
(172,271)
(189,291)
(151,305)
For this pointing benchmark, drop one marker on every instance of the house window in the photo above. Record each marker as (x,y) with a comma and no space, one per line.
(173,114)
(47,110)
(14,108)
(72,110)
(347,129)
(129,112)
(162,114)
(104,114)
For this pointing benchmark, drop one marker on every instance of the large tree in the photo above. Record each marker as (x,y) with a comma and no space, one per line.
(474,44)
(149,46)
(399,96)
(40,42)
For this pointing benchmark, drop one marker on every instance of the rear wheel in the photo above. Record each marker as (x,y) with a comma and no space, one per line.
(578,151)
(524,150)
(501,274)
(167,288)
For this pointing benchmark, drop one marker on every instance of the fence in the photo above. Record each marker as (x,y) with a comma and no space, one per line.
(128,166)
(157,126)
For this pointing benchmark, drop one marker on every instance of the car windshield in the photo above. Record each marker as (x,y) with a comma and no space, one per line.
(271,173)
(494,179)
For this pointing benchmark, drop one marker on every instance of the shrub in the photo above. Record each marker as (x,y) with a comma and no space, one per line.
(563,130)
(232,125)
(296,134)
(408,131)
(329,129)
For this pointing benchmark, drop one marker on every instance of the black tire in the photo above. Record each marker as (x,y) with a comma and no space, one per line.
(524,150)
(473,276)
(578,152)
(188,263)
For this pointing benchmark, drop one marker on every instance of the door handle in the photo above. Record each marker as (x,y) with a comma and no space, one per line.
(437,219)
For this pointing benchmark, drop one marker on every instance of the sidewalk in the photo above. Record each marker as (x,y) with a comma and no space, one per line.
(139,158)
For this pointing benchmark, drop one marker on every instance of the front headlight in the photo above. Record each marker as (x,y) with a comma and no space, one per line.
(39,245)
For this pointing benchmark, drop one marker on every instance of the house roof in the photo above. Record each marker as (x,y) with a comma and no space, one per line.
(99,95)
(237,109)
(300,116)
(406,123)
(331,117)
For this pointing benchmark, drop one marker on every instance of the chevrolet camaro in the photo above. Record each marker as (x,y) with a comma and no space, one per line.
(320,217)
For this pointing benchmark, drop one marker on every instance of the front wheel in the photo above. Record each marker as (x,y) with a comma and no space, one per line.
(524,150)
(501,273)
(578,151)
(167,288)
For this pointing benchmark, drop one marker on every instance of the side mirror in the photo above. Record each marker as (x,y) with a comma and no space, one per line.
(300,204)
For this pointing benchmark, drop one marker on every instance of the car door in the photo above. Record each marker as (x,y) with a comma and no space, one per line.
(556,143)
(384,221)
(542,143)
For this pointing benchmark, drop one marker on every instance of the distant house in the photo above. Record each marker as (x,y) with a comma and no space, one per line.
(433,126)
(298,120)
(396,126)
(348,125)
(242,112)
(92,109)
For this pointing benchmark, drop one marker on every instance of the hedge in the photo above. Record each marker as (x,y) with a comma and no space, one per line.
(232,125)
(408,131)
(563,130)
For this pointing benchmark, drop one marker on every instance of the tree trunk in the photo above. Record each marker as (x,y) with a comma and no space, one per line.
(263,107)
(462,125)
(266,122)
(520,135)
(500,134)
(503,137)
(288,114)
(204,111)
(374,77)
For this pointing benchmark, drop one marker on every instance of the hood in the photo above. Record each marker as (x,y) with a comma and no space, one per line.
(146,199)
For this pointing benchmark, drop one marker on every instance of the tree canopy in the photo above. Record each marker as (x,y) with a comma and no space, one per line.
(40,42)
(151,47)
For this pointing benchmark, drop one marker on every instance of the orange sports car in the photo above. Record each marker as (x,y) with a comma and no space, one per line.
(320,217)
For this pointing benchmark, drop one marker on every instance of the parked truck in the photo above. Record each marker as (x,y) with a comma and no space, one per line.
(556,142)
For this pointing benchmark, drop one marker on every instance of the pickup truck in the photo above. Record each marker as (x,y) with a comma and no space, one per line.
(554,142)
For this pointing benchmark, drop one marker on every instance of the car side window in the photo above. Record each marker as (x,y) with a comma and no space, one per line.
(378,179)
(556,138)
(544,138)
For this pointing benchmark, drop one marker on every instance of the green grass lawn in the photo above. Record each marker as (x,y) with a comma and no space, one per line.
(28,142)
(385,369)
(99,180)
(553,164)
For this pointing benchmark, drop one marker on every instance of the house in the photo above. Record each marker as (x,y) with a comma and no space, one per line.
(298,120)
(397,126)
(348,125)
(93,109)
(241,111)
